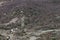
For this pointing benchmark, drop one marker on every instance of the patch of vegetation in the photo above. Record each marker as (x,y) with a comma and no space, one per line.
(53,38)
(0,38)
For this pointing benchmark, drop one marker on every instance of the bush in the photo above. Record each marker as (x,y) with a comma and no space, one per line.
(53,38)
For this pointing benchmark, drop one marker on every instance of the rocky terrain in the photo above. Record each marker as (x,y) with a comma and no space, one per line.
(29,19)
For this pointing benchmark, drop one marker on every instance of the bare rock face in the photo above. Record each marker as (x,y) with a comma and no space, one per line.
(30,19)
(41,13)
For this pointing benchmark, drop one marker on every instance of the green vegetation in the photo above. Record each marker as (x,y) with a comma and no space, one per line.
(0,38)
(53,38)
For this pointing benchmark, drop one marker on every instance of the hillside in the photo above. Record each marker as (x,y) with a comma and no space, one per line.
(37,14)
